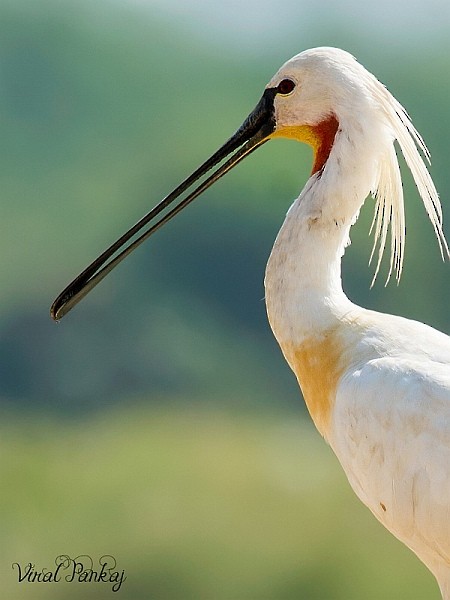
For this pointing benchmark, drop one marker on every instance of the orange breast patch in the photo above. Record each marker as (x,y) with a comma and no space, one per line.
(318,364)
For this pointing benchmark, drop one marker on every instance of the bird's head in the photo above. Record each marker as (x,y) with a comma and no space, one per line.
(314,97)
(310,87)
(321,91)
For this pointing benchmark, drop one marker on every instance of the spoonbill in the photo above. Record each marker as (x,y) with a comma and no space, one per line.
(376,386)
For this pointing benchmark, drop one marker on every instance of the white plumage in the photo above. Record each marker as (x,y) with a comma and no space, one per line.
(377,386)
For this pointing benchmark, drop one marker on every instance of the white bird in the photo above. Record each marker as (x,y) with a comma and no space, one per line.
(377,386)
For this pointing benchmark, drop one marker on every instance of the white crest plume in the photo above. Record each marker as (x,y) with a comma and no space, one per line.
(388,190)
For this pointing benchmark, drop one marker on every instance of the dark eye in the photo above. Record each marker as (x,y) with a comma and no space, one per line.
(285,87)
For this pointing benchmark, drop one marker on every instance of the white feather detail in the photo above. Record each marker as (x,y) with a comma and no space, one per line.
(388,190)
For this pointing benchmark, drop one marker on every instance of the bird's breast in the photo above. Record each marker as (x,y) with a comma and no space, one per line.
(318,363)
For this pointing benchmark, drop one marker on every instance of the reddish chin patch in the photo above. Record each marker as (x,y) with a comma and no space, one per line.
(320,137)
(323,134)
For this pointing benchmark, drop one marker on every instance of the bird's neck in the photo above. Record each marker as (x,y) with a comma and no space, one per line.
(306,305)
(304,294)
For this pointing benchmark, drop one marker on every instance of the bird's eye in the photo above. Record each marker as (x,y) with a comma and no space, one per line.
(285,87)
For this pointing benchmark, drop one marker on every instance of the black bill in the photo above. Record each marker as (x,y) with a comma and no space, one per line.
(254,132)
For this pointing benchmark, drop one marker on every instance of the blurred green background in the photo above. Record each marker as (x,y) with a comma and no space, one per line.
(158,422)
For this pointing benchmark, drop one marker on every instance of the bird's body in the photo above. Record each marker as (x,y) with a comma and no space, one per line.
(378,389)
(377,386)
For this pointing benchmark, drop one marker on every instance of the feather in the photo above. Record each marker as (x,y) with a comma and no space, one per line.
(388,190)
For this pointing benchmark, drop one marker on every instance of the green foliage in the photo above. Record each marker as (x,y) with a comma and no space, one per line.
(194,504)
